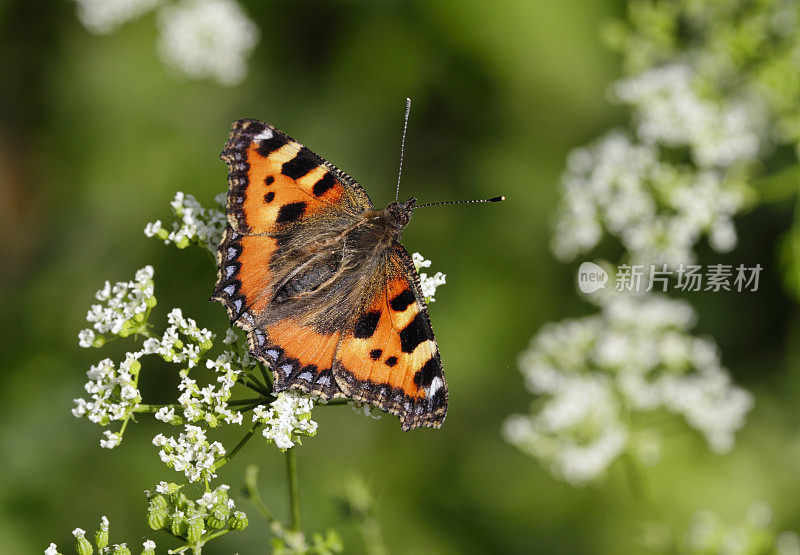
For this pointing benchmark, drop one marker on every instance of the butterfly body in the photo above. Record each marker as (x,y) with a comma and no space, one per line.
(318,277)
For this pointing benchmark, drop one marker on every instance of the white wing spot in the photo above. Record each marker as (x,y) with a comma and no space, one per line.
(264,135)
(436,385)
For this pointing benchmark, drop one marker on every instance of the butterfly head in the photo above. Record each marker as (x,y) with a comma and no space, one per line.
(400,213)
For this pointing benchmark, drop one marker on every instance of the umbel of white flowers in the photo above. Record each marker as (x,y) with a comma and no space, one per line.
(591,375)
(197,38)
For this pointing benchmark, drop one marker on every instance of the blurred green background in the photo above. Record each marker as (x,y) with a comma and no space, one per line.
(96,137)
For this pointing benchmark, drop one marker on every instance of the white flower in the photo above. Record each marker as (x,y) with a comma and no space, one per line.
(105,16)
(182,342)
(658,210)
(427,283)
(124,305)
(288,418)
(79,533)
(218,496)
(191,453)
(669,111)
(578,432)
(230,337)
(197,225)
(111,440)
(167,488)
(113,394)
(85,338)
(635,354)
(207,38)
(165,414)
(149,544)
(52,549)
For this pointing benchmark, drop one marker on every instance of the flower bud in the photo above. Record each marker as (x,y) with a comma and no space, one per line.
(177,525)
(121,549)
(238,521)
(149,548)
(211,419)
(157,519)
(99,341)
(159,503)
(180,500)
(82,546)
(195,529)
(101,537)
(150,302)
(183,243)
(134,367)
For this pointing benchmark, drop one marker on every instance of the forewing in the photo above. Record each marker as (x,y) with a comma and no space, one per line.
(273,180)
(282,198)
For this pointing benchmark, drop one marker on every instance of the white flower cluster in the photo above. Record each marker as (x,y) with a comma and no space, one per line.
(106,16)
(213,498)
(172,348)
(657,209)
(199,38)
(191,453)
(114,394)
(427,283)
(288,418)
(197,226)
(210,403)
(635,356)
(669,111)
(708,533)
(207,38)
(125,305)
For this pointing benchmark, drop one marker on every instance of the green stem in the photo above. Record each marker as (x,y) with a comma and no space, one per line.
(294,496)
(267,376)
(251,486)
(239,445)
(216,534)
(255,385)
(152,408)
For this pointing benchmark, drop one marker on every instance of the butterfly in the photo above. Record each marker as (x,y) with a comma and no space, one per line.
(318,278)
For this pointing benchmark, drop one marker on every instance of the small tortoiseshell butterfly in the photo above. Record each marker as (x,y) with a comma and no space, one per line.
(318,278)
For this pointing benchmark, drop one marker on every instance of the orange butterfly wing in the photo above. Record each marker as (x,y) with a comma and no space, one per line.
(275,186)
(388,356)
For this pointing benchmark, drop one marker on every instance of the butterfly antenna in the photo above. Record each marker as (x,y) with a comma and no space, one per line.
(494,199)
(402,148)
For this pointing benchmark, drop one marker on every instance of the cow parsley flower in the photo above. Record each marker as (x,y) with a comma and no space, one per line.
(669,111)
(634,356)
(191,453)
(197,225)
(658,210)
(207,38)
(182,342)
(288,418)
(106,16)
(113,394)
(709,533)
(124,307)
(428,284)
